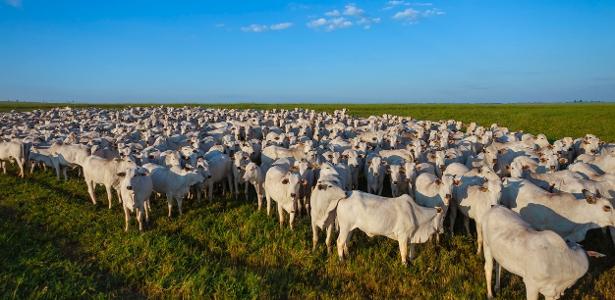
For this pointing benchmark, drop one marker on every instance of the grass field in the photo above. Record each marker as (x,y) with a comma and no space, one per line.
(55,244)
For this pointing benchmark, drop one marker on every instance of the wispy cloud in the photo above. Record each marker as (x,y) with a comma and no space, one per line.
(263,28)
(412,16)
(400,3)
(350,16)
(352,10)
(13,3)
(281,26)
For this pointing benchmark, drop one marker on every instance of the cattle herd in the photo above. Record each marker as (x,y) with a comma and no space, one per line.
(398,177)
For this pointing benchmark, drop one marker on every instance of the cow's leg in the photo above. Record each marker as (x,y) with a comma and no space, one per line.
(329,237)
(147,208)
(2,164)
(259,196)
(236,191)
(126,218)
(531,291)
(488,270)
(179,200)
(109,195)
(268,203)
(479,238)
(65,171)
(342,239)
(403,249)
(452,216)
(32,165)
(170,203)
(612,232)
(91,191)
(412,251)
(211,191)
(281,215)
(291,219)
(314,235)
(346,251)
(57,169)
(498,274)
(21,171)
(229,181)
(466,224)
(119,197)
(140,218)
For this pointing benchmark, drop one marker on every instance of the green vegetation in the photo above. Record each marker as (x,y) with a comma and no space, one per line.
(55,244)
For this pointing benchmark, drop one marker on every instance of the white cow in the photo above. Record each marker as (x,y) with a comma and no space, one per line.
(375,175)
(13,151)
(561,212)
(135,190)
(282,185)
(474,201)
(399,218)
(254,176)
(172,184)
(547,264)
(323,201)
(97,170)
(44,157)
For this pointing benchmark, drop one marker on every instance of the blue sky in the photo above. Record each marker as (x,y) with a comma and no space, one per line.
(308,51)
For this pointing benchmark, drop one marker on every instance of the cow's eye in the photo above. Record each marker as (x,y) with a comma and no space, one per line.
(606,208)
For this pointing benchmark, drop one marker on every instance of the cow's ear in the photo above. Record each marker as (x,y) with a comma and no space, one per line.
(285,181)
(483,189)
(525,167)
(121,174)
(438,181)
(438,209)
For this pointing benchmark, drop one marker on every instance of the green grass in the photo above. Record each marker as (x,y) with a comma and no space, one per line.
(554,120)
(55,244)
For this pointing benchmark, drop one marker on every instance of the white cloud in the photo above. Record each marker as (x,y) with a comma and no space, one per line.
(317,23)
(407,15)
(338,23)
(367,22)
(412,16)
(333,13)
(348,17)
(352,10)
(13,3)
(395,3)
(433,12)
(281,26)
(263,28)
(255,28)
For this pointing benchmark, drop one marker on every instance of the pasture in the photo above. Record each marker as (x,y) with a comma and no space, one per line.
(55,244)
